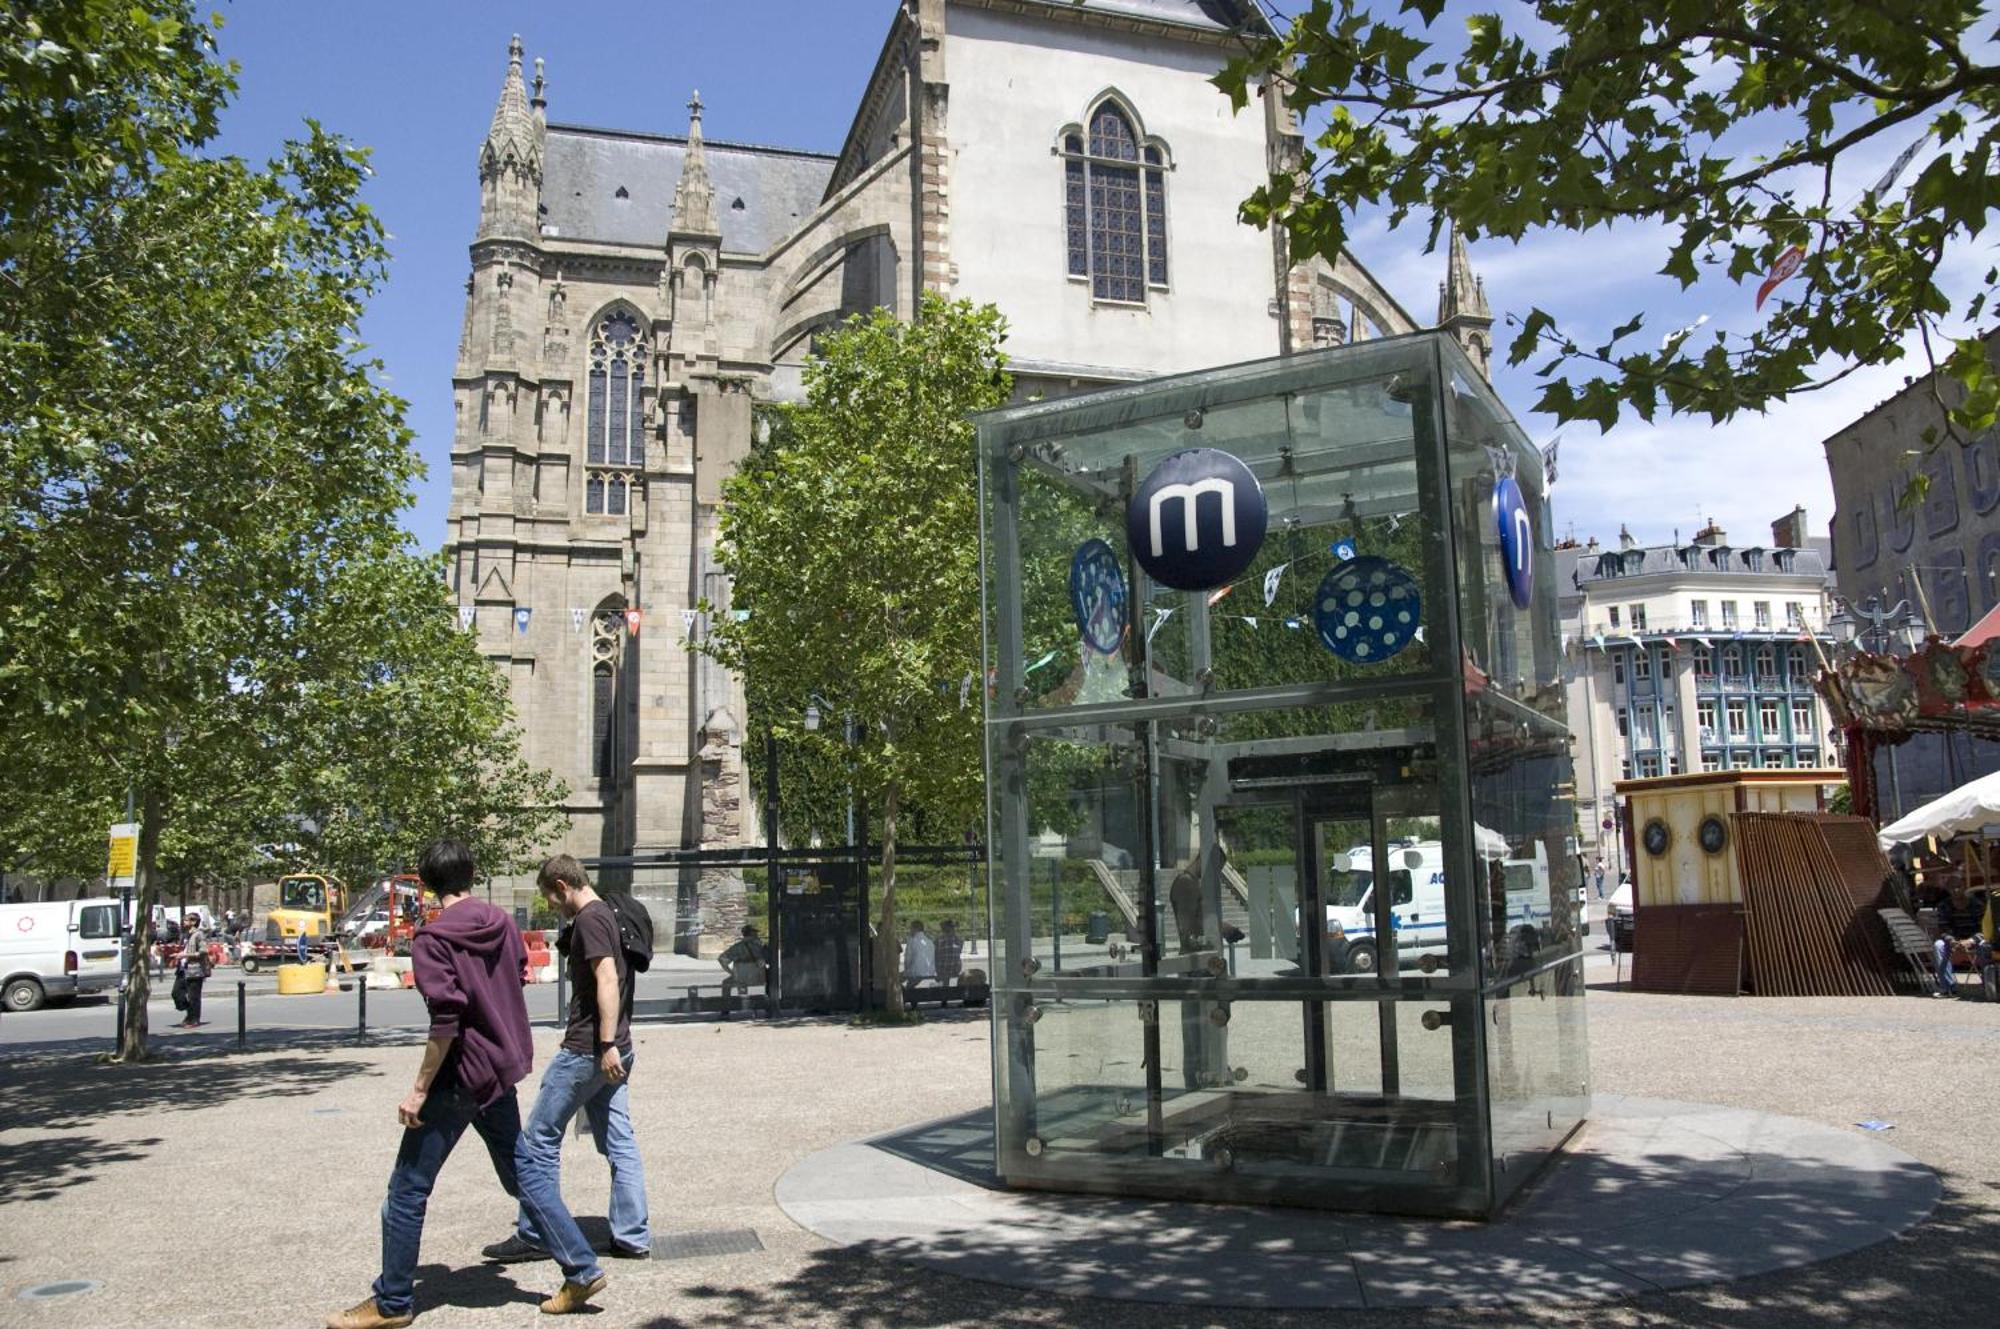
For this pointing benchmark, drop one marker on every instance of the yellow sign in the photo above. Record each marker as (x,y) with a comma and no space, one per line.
(124,852)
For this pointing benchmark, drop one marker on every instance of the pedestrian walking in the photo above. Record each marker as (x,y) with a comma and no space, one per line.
(193,973)
(1600,879)
(590,1073)
(467,965)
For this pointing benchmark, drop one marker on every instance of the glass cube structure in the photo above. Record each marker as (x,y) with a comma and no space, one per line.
(1285,895)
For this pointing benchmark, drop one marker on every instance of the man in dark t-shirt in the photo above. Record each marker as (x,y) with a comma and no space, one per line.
(589,1073)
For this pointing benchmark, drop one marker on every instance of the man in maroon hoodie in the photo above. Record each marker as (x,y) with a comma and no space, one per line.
(468,963)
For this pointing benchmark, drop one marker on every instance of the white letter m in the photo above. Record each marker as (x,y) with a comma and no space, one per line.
(1188,495)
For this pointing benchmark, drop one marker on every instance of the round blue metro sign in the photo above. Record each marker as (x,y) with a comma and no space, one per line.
(1197,520)
(1097,596)
(1517,540)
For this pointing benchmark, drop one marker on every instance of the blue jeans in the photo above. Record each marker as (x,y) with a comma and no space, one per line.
(570,1083)
(447,1112)
(1941,951)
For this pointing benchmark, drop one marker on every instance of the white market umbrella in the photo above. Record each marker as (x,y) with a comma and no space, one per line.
(1966,808)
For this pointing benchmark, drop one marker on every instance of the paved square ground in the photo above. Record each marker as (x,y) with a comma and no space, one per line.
(232,1190)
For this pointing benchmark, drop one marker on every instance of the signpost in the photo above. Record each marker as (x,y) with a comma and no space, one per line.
(121,875)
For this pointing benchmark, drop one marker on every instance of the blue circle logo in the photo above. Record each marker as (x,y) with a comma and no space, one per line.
(1367,610)
(1097,596)
(1517,541)
(1197,520)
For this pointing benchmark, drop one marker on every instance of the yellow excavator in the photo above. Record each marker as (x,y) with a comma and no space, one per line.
(308,904)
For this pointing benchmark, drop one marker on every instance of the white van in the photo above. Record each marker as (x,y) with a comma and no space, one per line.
(57,949)
(1417,901)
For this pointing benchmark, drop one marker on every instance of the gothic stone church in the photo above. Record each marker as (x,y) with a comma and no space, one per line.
(633,294)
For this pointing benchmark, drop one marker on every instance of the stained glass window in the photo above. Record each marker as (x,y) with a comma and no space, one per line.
(615,417)
(1114,208)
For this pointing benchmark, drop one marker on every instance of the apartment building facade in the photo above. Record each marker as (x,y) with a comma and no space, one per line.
(1692,657)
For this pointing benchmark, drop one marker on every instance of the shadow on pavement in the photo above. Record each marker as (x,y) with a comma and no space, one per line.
(1666,1239)
(473,1287)
(64,1092)
(42,1169)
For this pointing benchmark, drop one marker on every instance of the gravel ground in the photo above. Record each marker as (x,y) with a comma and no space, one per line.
(229,1190)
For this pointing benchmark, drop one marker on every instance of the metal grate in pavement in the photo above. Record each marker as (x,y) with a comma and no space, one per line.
(694,1245)
(51,1291)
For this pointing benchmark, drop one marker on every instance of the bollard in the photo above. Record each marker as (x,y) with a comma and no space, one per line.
(361,987)
(242,1016)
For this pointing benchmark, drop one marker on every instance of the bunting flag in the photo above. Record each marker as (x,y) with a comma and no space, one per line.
(1598,641)
(1781,271)
(1295,623)
(1038,664)
(1419,634)
(1164,615)
(521,619)
(1896,167)
(1549,461)
(964,690)
(1271,580)
(632,621)
(1343,550)
(1706,642)
(1672,645)
(1217,597)
(1250,620)
(466,615)
(576,616)
(687,623)
(740,615)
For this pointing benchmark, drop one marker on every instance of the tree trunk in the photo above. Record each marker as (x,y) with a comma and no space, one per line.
(888,952)
(132,1037)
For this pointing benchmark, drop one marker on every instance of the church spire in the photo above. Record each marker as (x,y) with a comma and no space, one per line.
(1462,307)
(510,160)
(694,197)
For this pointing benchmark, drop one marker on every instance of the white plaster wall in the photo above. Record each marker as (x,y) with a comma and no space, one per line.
(1015,82)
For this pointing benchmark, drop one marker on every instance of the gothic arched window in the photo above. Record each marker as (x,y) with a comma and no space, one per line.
(607,656)
(615,442)
(1114,206)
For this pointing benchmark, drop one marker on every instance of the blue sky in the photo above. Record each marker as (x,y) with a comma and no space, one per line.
(416,82)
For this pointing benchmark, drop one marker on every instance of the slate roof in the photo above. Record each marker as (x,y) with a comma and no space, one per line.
(1215,15)
(584,168)
(1607,564)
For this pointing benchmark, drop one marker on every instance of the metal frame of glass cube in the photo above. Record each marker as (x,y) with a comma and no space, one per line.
(1213,847)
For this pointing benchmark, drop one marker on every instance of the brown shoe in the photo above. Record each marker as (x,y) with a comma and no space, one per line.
(367,1316)
(571,1297)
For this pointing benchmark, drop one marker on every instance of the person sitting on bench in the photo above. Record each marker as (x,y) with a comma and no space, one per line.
(744,963)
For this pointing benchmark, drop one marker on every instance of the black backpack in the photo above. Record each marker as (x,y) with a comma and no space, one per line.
(635,931)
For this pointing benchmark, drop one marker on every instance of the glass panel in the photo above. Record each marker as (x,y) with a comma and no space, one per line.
(97,922)
(619,386)
(594,421)
(1079,892)
(616,489)
(1111,135)
(1156,225)
(593,494)
(1539,1080)
(1075,220)
(1117,245)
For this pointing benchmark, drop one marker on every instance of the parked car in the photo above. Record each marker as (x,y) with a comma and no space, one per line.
(57,949)
(1618,917)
